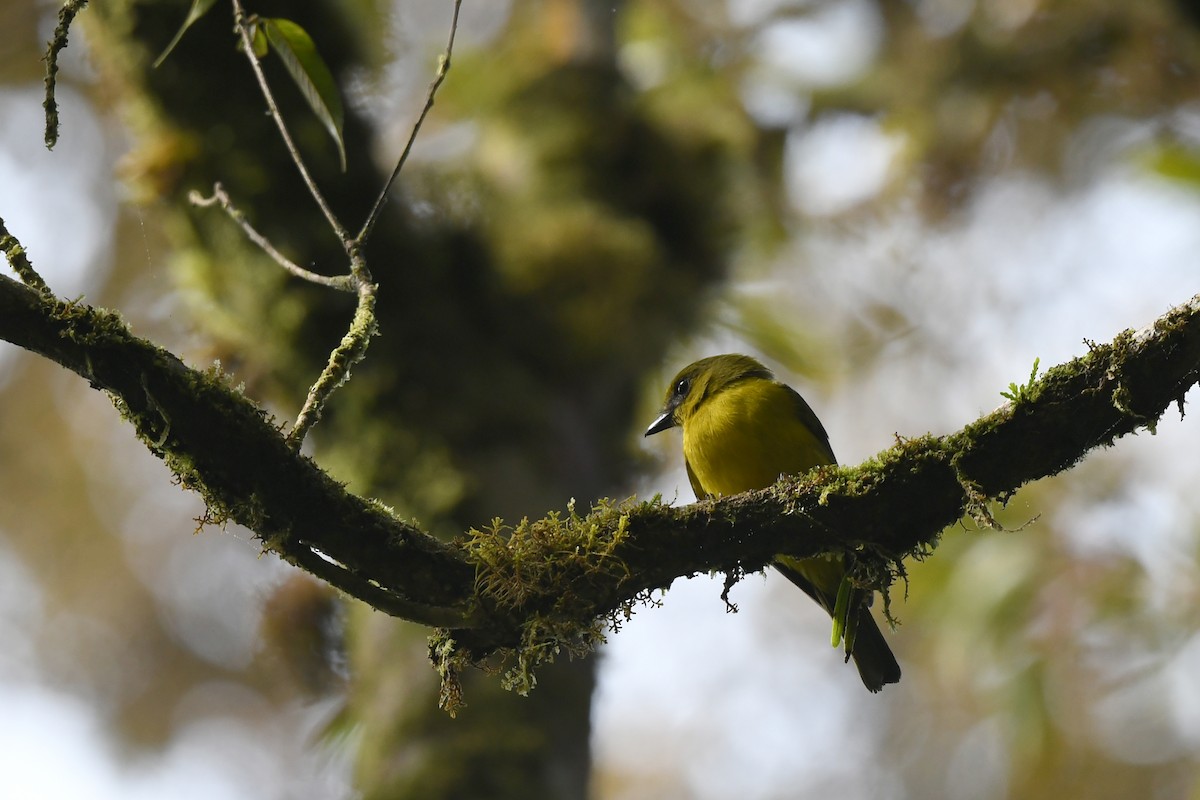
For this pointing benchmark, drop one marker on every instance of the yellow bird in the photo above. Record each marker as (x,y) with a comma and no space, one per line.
(742,429)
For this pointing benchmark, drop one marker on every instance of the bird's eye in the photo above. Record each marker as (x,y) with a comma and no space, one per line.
(682,387)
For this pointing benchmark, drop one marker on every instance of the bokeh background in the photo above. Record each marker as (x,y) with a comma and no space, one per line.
(899,204)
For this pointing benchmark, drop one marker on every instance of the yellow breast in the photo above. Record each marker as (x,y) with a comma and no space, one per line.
(746,436)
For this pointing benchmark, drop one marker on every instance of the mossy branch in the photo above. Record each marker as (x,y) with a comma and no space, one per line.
(222,445)
(18,259)
(547,586)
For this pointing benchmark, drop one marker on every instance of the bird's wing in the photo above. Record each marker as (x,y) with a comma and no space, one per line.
(818,577)
(810,421)
(696,487)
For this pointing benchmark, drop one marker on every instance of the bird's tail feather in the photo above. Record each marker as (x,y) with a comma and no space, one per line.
(876,665)
(853,626)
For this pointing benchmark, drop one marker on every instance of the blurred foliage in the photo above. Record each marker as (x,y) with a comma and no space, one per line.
(981,87)
(973,87)
(1176,161)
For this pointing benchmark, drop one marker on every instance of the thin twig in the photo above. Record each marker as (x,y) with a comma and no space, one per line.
(344,357)
(19,261)
(343,283)
(239,17)
(353,346)
(442,69)
(58,42)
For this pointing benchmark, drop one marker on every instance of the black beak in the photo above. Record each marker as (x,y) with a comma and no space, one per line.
(665,420)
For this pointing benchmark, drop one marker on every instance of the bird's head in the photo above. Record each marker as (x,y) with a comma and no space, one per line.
(699,381)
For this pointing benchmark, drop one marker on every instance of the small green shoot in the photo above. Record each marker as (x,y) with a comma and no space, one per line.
(841,612)
(1019,394)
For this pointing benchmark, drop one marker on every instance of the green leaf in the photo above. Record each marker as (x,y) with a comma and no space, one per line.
(199,9)
(299,55)
(841,613)
(258,41)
